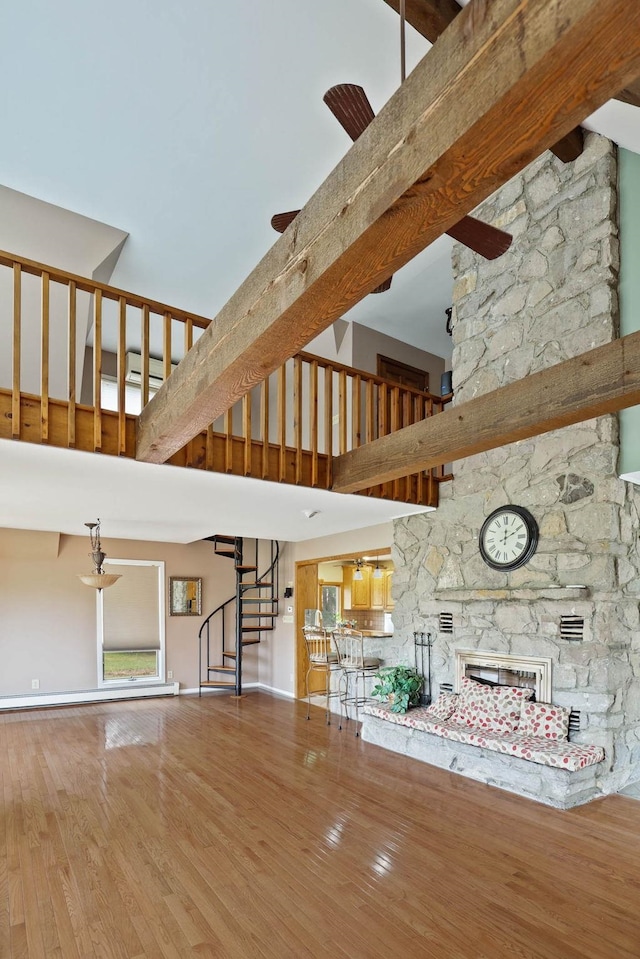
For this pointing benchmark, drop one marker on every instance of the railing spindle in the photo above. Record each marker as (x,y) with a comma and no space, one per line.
(328,421)
(166,346)
(188,343)
(394,425)
(342,411)
(17,329)
(370,411)
(282,422)
(97,371)
(264,426)
(122,393)
(71,372)
(145,356)
(246,432)
(228,441)
(297,415)
(313,420)
(356,411)
(44,359)
(208,448)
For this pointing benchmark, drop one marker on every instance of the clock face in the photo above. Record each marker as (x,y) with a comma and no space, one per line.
(508,538)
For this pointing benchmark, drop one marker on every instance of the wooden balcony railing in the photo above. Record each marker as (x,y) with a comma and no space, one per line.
(78,360)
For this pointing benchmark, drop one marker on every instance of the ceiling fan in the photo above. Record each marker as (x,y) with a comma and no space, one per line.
(350,106)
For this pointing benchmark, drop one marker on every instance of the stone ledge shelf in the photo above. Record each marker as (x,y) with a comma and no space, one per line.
(518,592)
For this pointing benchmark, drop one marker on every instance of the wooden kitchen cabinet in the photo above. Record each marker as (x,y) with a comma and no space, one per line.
(378,591)
(388,598)
(369,593)
(361,589)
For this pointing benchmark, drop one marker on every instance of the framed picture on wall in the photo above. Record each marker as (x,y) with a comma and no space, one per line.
(185,596)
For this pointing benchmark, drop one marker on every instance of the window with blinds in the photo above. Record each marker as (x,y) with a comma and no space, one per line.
(131,617)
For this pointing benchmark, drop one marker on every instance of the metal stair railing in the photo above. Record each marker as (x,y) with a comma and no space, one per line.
(235,550)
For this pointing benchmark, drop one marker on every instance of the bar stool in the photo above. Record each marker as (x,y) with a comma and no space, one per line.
(322,659)
(355,667)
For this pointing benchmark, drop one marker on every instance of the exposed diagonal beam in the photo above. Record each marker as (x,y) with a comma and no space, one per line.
(431,18)
(486,100)
(604,380)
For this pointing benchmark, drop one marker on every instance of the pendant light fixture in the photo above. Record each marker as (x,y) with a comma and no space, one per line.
(98,579)
(378,572)
(358,573)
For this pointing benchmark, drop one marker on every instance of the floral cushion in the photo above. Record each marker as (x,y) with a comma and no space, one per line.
(490,707)
(443,707)
(544,721)
(558,753)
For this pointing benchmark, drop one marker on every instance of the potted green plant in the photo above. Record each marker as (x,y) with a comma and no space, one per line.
(400,685)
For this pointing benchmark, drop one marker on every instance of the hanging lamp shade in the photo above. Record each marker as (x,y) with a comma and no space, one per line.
(98,579)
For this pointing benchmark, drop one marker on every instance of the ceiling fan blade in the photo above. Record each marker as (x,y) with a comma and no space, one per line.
(483,238)
(383,286)
(351,108)
(281,221)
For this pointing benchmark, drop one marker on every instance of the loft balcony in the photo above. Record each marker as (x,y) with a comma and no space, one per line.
(80,359)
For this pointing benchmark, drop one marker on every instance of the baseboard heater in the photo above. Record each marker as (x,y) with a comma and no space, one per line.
(78,696)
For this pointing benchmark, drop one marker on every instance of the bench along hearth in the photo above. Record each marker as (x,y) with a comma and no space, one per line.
(504,719)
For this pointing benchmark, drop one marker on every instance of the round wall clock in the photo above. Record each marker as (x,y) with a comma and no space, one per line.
(508,538)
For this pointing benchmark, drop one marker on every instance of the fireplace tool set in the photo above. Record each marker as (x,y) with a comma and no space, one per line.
(422,641)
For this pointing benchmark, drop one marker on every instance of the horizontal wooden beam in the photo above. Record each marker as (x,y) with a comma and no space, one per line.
(603,380)
(487,99)
(431,18)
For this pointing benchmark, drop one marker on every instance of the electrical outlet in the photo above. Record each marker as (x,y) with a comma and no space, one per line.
(35,684)
(170,674)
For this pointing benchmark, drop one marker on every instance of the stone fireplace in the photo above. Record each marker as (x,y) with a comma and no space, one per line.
(551,297)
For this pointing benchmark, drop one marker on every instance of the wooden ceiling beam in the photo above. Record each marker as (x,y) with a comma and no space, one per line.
(487,99)
(603,380)
(432,17)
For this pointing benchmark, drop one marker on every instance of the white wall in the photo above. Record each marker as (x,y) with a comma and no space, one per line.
(48,617)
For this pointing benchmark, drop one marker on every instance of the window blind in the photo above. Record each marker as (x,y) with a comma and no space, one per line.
(131,614)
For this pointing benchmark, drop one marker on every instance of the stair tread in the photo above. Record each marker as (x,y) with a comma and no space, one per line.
(245,642)
(256,614)
(223,684)
(243,568)
(225,552)
(221,669)
(255,585)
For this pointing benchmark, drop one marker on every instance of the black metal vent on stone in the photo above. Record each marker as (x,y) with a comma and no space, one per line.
(446,622)
(572,627)
(446,687)
(574,722)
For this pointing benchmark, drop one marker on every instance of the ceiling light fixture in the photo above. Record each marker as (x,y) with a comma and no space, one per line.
(98,579)
(358,572)
(377,573)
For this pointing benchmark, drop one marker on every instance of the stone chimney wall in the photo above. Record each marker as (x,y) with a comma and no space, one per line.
(551,297)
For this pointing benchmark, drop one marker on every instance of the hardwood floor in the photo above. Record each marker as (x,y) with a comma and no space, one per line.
(223,828)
